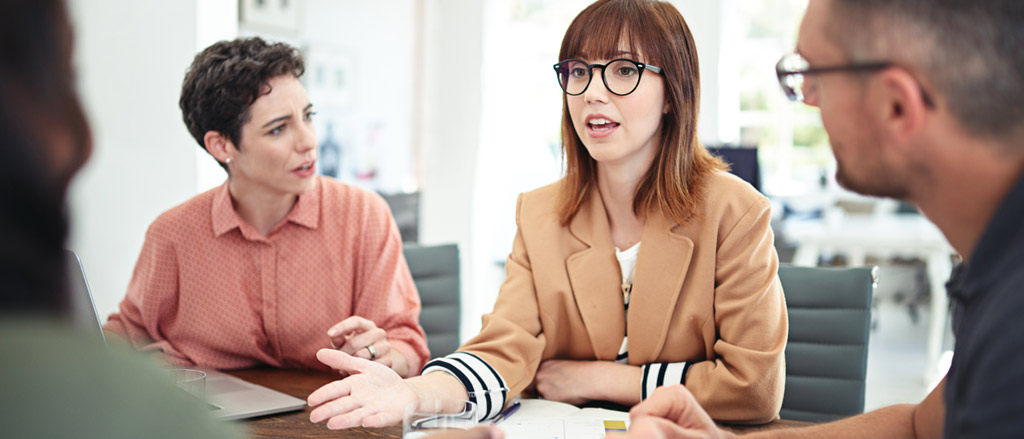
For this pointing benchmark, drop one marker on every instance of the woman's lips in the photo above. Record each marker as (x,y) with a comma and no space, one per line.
(599,127)
(306,170)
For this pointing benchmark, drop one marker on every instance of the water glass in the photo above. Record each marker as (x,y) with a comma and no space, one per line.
(437,416)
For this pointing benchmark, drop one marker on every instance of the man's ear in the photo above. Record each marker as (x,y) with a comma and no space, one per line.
(901,104)
(218,145)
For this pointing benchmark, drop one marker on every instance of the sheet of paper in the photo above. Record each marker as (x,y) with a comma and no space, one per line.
(542,408)
(573,427)
(538,428)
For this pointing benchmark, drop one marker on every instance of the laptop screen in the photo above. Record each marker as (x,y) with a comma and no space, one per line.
(83,311)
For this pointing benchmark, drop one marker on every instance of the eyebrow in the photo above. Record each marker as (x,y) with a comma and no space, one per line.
(286,117)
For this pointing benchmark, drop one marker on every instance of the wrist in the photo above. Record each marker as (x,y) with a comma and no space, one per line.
(613,382)
(417,396)
(436,385)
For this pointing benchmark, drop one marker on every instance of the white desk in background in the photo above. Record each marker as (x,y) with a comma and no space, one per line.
(883,236)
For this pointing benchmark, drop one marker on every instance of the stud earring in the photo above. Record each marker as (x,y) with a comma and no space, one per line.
(227,161)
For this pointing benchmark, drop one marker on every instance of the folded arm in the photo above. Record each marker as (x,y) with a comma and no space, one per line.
(744,381)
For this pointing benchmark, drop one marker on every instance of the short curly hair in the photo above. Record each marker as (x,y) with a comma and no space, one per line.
(226,78)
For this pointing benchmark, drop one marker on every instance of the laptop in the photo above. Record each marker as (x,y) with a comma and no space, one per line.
(229,397)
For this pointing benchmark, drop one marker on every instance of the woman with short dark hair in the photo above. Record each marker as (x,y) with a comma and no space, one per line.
(277,262)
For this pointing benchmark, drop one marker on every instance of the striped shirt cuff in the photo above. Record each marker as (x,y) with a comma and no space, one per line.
(484,385)
(662,374)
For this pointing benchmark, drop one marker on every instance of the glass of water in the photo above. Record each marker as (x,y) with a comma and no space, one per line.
(191,381)
(437,416)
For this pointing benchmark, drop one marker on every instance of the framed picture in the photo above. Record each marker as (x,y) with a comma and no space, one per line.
(330,75)
(282,15)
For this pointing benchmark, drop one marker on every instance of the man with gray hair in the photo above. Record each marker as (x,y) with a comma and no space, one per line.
(922,100)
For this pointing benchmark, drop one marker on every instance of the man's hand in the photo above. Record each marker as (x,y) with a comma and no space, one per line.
(672,412)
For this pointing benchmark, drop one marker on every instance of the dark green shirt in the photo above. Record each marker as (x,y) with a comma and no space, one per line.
(56,383)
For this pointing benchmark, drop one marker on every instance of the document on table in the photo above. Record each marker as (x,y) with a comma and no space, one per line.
(542,419)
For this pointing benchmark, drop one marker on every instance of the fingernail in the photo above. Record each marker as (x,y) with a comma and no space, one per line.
(332,332)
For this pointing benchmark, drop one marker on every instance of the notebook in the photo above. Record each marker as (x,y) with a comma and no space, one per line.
(541,418)
(229,397)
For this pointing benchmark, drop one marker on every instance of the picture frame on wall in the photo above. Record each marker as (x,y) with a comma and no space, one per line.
(330,75)
(279,15)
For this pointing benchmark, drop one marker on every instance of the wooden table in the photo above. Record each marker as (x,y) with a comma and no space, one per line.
(296,424)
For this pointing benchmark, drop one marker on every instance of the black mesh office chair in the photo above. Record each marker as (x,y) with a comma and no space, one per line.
(435,270)
(827,353)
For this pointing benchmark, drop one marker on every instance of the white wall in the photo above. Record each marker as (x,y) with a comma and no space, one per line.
(705,21)
(450,127)
(373,42)
(130,58)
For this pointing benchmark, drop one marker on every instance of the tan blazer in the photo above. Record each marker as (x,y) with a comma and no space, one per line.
(705,292)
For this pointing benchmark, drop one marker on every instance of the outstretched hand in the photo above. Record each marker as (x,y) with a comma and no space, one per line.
(373,395)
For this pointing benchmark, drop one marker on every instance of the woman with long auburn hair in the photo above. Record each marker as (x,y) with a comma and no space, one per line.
(646,265)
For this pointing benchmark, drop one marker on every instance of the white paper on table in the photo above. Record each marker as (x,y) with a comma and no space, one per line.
(542,419)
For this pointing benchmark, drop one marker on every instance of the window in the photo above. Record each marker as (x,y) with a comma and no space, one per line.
(793,147)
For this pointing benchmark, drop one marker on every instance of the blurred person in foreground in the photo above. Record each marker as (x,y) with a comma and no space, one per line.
(277,262)
(922,102)
(54,381)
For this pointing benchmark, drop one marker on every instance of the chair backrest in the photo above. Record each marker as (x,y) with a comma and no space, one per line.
(435,269)
(405,208)
(827,353)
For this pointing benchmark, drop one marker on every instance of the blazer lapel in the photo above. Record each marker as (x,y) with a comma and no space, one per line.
(661,268)
(595,279)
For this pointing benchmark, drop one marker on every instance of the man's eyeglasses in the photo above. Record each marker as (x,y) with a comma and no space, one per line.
(792,68)
(621,76)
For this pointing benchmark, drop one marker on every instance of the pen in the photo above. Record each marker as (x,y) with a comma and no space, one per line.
(506,413)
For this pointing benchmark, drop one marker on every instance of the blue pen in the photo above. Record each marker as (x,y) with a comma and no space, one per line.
(506,413)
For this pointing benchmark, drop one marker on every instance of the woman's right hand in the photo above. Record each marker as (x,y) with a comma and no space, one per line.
(373,395)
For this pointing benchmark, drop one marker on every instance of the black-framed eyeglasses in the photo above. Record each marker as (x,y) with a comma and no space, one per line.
(620,76)
(792,68)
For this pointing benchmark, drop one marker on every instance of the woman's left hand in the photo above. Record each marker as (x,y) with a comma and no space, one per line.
(361,338)
(566,381)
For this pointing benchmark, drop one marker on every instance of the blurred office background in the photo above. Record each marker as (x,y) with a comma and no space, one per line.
(449,108)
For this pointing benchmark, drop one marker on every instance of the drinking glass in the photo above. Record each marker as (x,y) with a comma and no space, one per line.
(437,416)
